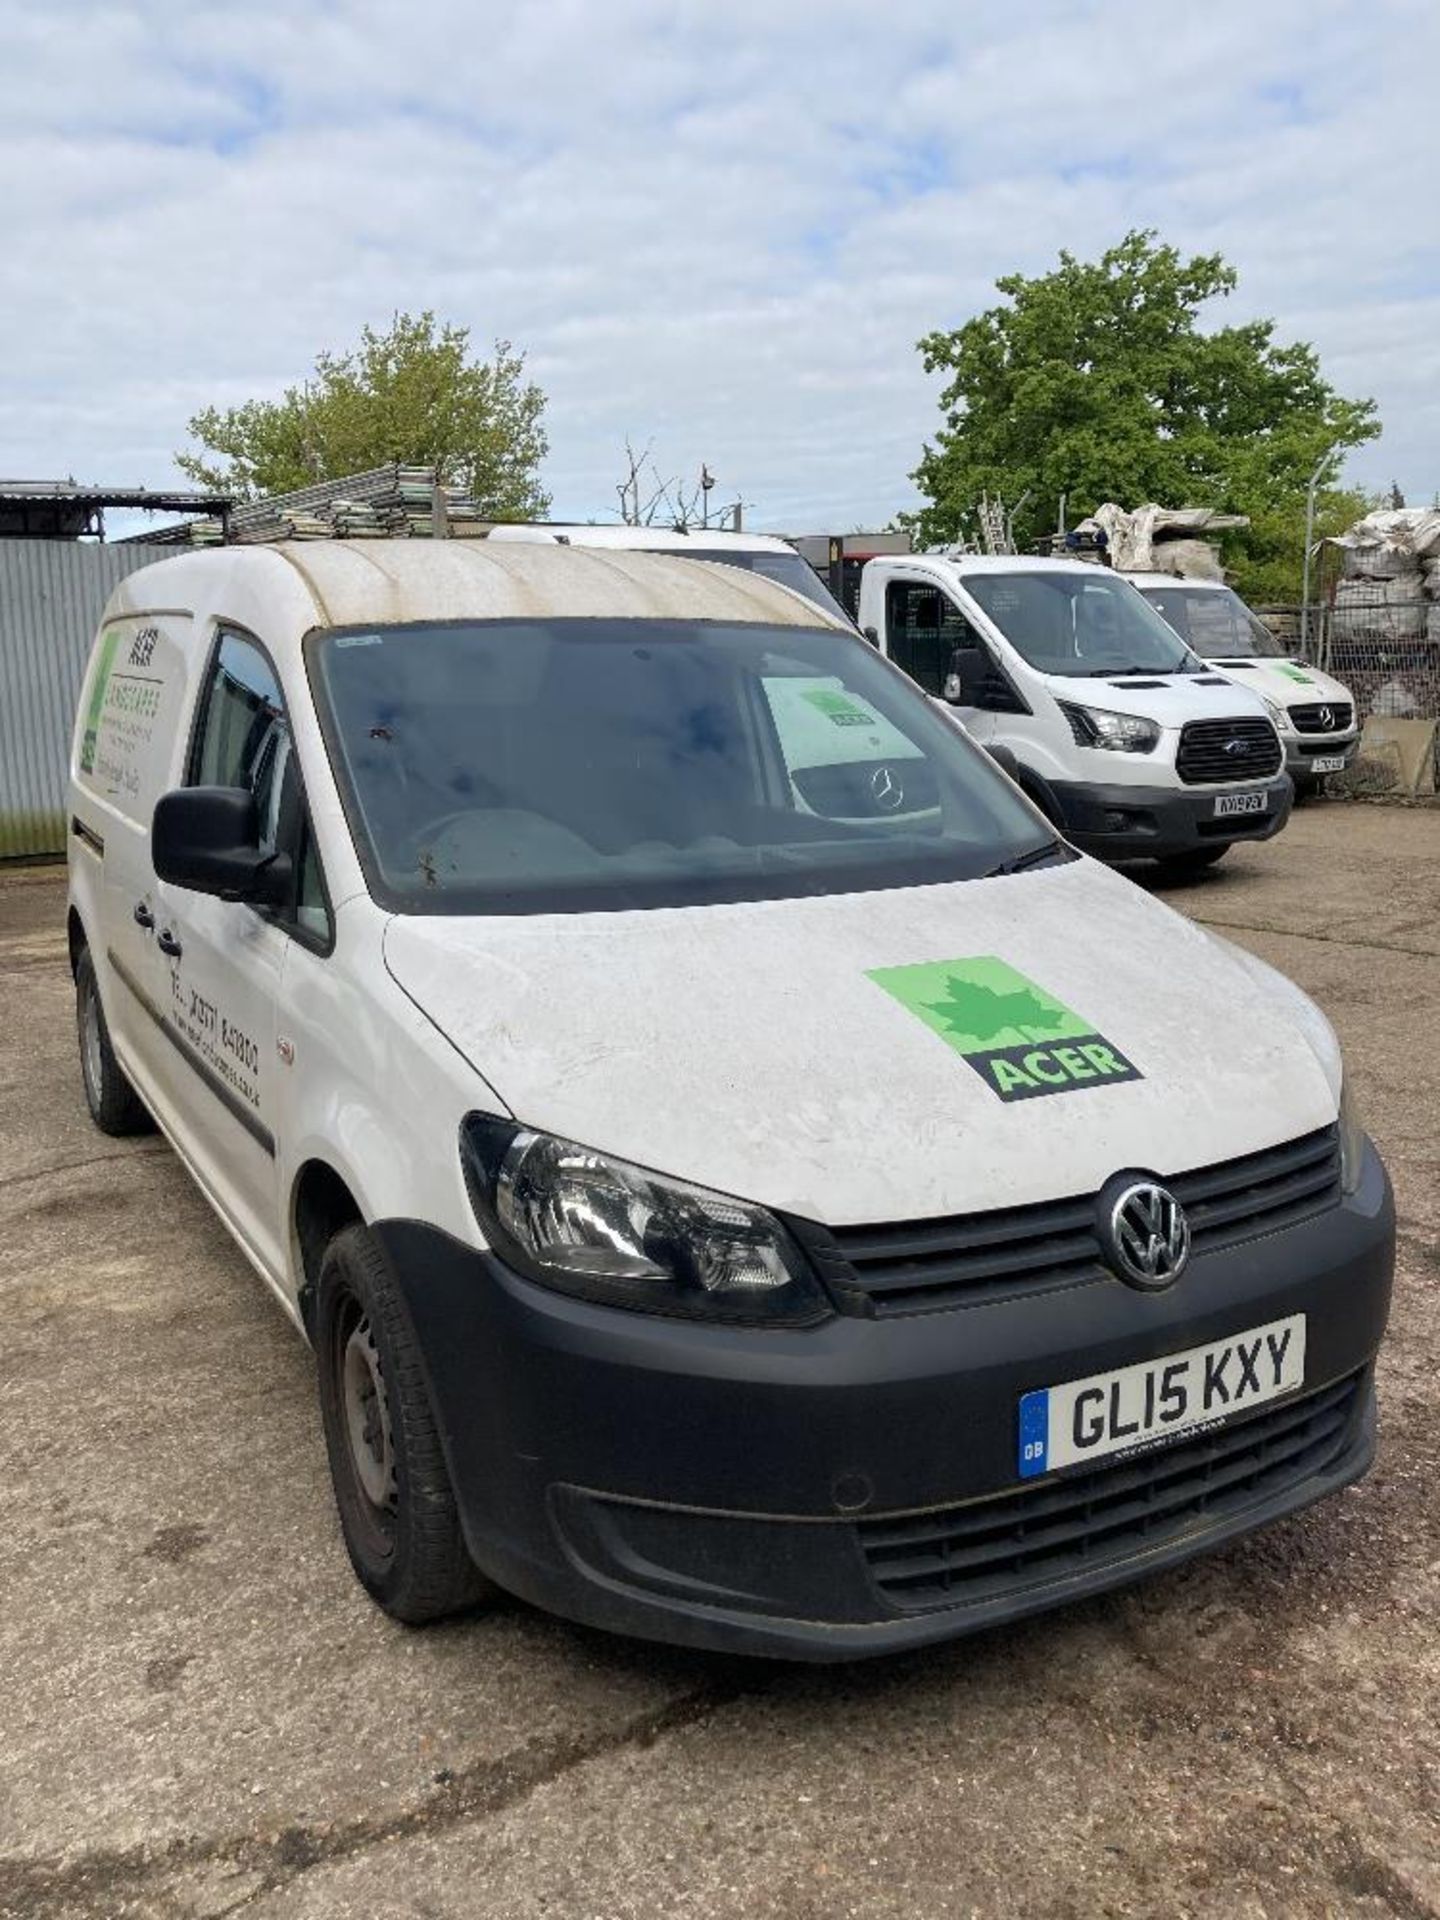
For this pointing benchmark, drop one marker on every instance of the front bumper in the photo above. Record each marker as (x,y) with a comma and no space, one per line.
(1155,823)
(745,1489)
(1301,752)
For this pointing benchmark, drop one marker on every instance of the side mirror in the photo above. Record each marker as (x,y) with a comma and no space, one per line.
(872,635)
(1005,760)
(207,840)
(965,678)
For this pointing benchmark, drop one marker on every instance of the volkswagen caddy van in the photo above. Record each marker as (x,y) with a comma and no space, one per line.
(725,1206)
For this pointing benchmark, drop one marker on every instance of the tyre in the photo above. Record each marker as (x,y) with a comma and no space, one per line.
(114,1105)
(1194,861)
(397,1508)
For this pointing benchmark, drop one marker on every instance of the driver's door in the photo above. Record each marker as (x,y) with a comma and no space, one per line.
(925,630)
(225,959)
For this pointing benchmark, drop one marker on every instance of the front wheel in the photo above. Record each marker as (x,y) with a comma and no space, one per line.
(1195,860)
(397,1507)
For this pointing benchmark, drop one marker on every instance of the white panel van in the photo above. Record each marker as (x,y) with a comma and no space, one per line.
(1124,737)
(738,1189)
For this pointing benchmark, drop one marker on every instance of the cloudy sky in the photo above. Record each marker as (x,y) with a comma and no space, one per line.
(717,228)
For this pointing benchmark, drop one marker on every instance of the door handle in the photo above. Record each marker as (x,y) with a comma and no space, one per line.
(167,943)
(144,917)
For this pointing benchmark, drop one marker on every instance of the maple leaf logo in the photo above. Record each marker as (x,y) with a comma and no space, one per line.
(980,1014)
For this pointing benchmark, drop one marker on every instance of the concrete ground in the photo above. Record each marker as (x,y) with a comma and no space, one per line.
(200,1713)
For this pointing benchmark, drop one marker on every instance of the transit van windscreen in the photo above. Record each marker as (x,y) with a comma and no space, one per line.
(1080,625)
(532,766)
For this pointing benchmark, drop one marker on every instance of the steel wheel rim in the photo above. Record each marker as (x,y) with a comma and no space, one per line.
(91,1065)
(366,1409)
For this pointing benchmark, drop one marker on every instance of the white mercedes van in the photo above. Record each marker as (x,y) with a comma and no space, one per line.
(725,1205)
(1117,730)
(1313,713)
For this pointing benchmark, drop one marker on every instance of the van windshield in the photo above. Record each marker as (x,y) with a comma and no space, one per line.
(534,766)
(1215,621)
(1080,625)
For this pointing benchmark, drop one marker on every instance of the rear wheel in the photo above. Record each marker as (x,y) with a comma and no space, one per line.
(392,1488)
(114,1105)
(1195,860)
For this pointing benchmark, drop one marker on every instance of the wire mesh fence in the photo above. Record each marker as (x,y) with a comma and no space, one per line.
(1380,637)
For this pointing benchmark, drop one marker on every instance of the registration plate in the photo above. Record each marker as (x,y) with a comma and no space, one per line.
(1239,803)
(1328,763)
(1147,1404)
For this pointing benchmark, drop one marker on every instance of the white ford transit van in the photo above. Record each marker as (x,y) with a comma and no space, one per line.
(726,1204)
(1313,713)
(1126,740)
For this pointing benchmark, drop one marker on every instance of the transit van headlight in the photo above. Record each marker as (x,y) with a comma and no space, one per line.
(1352,1142)
(1120,732)
(586,1224)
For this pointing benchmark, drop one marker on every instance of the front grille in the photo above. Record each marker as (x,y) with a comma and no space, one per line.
(1230,750)
(1326,717)
(1097,1517)
(922,1265)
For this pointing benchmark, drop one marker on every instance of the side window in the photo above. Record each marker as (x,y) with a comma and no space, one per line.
(243,740)
(924,627)
(242,721)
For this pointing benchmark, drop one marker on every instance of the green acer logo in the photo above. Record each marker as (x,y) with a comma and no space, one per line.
(1022,1041)
(840,708)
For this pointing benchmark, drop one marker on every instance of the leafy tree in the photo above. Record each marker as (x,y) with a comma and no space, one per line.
(411,394)
(1096,381)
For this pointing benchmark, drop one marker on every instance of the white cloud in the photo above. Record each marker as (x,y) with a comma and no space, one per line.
(720,229)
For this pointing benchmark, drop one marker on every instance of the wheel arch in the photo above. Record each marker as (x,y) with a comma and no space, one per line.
(76,938)
(321,1203)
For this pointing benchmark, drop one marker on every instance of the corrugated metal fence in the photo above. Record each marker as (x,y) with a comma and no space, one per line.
(52,593)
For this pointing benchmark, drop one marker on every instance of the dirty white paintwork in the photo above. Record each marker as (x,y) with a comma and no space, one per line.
(745,1048)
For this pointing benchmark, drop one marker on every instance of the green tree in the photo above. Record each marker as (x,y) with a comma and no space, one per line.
(1096,381)
(412,394)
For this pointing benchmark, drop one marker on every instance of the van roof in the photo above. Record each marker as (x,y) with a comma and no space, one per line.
(641,539)
(341,583)
(1153,579)
(1016,563)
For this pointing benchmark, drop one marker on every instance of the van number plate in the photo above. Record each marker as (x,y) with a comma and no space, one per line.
(1240,803)
(1139,1407)
(1328,763)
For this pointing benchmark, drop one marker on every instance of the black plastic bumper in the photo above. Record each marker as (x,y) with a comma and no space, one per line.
(1155,823)
(1301,755)
(716,1486)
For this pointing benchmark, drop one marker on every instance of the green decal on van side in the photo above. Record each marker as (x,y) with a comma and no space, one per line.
(1021,1040)
(99,687)
(840,708)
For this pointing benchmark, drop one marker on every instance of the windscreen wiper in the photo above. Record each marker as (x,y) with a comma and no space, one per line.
(1033,858)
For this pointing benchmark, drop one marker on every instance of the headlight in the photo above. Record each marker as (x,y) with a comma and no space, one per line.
(1120,732)
(608,1231)
(1277,714)
(1352,1142)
